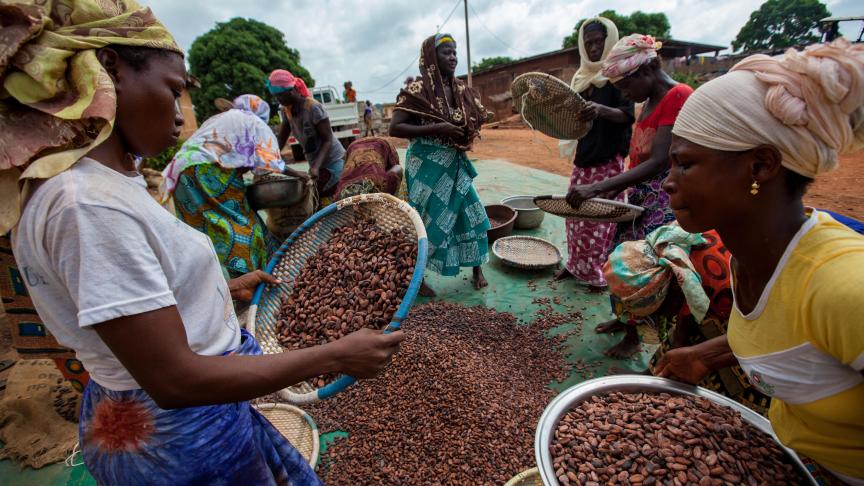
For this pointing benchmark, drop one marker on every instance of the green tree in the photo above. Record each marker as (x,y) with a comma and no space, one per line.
(656,24)
(235,58)
(490,62)
(781,23)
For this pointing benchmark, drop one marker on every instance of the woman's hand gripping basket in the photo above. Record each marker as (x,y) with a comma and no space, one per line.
(298,312)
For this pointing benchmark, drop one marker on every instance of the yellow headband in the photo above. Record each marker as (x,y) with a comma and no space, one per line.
(444,40)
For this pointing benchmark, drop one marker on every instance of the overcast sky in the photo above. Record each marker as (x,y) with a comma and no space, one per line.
(371,42)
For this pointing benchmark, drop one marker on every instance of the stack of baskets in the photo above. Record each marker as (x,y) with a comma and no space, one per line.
(286,264)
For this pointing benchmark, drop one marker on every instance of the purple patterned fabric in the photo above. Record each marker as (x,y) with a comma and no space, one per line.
(651,196)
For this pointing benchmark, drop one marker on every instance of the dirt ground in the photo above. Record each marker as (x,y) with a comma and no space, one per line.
(841,191)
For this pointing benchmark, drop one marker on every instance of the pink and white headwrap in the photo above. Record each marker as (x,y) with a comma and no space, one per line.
(808,104)
(629,54)
(281,80)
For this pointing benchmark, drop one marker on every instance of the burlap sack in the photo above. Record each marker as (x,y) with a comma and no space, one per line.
(31,427)
(283,221)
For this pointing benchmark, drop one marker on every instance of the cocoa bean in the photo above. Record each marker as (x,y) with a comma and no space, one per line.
(678,439)
(324,304)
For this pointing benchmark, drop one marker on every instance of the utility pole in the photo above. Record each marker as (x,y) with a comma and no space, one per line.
(468,43)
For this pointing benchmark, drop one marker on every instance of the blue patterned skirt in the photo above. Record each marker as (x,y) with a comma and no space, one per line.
(126,439)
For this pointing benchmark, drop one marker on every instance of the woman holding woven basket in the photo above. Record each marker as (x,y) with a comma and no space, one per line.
(745,147)
(598,155)
(304,118)
(634,68)
(139,295)
(442,117)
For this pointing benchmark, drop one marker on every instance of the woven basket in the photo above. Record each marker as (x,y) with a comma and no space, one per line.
(527,252)
(530,477)
(296,426)
(549,105)
(286,264)
(590,210)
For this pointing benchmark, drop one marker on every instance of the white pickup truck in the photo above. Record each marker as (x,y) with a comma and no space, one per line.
(344,119)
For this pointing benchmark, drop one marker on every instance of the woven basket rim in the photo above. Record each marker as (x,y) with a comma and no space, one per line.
(548,78)
(313,426)
(299,394)
(598,200)
(533,473)
(529,266)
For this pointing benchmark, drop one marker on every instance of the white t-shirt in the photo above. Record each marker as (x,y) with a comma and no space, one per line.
(93,245)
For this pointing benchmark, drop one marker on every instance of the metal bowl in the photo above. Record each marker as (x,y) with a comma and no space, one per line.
(274,191)
(569,398)
(528,215)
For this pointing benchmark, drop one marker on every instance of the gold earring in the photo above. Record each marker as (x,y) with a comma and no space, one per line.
(754,188)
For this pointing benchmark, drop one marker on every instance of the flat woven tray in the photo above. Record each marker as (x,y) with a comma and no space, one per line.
(530,477)
(549,105)
(590,210)
(286,264)
(526,252)
(296,426)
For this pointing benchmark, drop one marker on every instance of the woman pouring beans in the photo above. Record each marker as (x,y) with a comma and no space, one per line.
(139,295)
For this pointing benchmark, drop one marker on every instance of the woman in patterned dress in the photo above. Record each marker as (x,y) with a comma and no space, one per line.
(442,117)
(634,68)
(205,179)
(599,155)
(137,294)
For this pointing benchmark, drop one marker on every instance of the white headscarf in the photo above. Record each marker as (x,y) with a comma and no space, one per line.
(589,73)
(808,104)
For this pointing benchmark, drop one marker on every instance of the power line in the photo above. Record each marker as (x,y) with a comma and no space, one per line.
(477,17)
(414,62)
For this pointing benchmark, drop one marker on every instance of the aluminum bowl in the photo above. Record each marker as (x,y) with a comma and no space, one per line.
(528,215)
(569,398)
(275,192)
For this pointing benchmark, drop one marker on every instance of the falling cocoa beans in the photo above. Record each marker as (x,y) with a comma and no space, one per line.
(356,279)
(663,439)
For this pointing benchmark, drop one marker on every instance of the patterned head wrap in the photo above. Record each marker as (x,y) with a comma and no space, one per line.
(424,97)
(628,55)
(235,139)
(61,102)
(639,272)
(808,104)
(253,104)
(281,81)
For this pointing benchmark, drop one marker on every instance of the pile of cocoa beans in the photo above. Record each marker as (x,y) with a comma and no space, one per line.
(458,405)
(496,223)
(356,279)
(645,439)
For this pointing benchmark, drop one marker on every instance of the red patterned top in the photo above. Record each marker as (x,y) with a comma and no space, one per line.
(664,114)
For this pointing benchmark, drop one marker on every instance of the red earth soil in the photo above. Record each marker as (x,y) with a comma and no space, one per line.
(841,191)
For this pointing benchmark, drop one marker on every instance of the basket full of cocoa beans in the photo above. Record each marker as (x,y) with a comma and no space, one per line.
(644,430)
(357,263)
